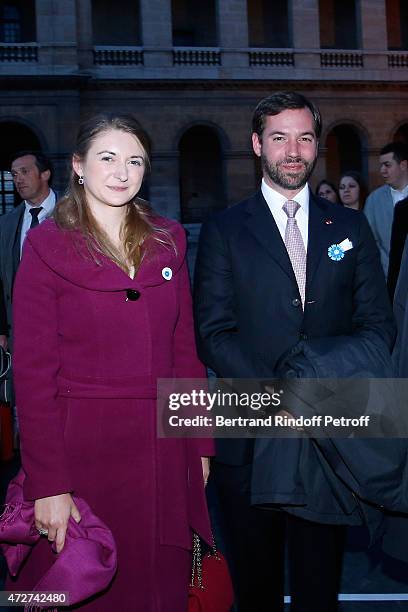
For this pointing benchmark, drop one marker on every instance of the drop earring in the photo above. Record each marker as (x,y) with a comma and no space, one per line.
(81,180)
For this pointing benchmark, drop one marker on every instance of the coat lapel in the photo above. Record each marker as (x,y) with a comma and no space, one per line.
(67,254)
(262,226)
(12,245)
(320,232)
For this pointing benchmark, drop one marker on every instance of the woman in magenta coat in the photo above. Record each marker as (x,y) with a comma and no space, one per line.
(101,311)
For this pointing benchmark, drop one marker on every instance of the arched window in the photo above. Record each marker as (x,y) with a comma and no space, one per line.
(194,23)
(268,23)
(17,21)
(401,135)
(397,24)
(19,138)
(115,22)
(201,174)
(338,24)
(344,151)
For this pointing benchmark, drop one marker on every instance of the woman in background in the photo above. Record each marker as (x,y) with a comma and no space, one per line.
(326,189)
(352,190)
(107,291)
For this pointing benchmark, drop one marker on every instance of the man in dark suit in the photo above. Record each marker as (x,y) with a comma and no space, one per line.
(398,237)
(281,268)
(31,172)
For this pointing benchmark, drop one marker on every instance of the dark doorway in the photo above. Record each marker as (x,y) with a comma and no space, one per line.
(116,22)
(268,24)
(397,24)
(344,151)
(401,135)
(194,24)
(201,174)
(339,26)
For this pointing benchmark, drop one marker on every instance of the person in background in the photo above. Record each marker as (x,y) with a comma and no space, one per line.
(379,207)
(326,189)
(106,286)
(352,190)
(398,238)
(32,174)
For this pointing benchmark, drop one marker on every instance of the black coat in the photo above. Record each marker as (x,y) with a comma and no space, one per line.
(333,480)
(396,525)
(398,237)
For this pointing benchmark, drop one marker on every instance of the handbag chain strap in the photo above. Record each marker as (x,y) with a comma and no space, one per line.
(5,363)
(197,565)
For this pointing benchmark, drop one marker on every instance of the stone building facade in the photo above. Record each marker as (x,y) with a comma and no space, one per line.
(192,72)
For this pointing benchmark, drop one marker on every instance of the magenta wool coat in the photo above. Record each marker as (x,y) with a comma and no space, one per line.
(86,362)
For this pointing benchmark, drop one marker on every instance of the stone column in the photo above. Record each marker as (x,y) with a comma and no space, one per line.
(373,163)
(304,21)
(373,28)
(321,171)
(84,30)
(164,191)
(240,175)
(232,20)
(56,32)
(157,37)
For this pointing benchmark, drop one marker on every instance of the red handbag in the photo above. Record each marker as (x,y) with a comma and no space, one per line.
(211,587)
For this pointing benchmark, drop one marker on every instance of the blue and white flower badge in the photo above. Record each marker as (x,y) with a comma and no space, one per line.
(167,273)
(336,251)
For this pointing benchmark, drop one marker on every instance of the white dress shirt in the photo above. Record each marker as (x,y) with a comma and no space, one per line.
(399,194)
(276,201)
(47,207)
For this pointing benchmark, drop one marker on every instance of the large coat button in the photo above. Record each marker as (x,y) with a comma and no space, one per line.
(132,295)
(296,302)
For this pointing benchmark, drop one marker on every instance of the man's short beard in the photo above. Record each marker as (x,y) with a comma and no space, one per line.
(288,180)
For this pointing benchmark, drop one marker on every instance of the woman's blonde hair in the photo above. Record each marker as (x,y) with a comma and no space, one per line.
(73,213)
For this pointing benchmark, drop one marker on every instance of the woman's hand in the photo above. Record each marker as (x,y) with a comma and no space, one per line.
(205,462)
(52,515)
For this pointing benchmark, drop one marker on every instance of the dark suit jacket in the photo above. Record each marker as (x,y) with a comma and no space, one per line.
(398,237)
(10,232)
(400,353)
(247,302)
(396,530)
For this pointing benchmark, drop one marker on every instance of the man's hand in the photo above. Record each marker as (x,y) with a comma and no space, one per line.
(3,341)
(52,515)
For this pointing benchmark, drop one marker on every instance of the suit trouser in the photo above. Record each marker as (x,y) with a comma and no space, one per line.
(256,544)
(315,563)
